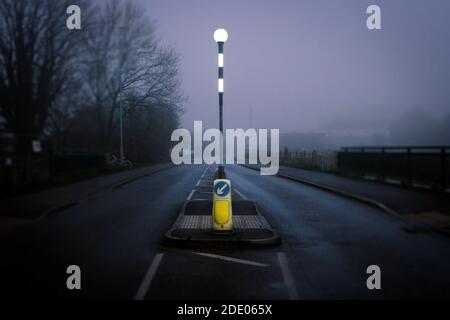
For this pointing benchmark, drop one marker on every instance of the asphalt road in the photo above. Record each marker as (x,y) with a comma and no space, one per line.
(327,244)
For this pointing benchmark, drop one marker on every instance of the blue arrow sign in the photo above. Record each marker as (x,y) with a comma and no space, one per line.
(222,188)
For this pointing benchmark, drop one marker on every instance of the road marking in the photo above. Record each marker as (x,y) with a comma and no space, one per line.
(197,184)
(201,177)
(143,288)
(204,172)
(287,276)
(240,194)
(190,194)
(216,256)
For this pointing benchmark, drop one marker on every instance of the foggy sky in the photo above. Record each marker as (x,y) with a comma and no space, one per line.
(311,65)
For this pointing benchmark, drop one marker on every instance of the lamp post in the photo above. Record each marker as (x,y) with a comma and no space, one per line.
(121,156)
(121,125)
(220,36)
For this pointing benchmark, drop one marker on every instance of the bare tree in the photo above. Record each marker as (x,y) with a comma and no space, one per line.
(36,50)
(68,85)
(124,59)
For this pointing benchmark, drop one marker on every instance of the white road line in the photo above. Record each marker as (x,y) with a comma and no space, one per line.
(201,177)
(143,288)
(240,194)
(204,172)
(287,276)
(190,195)
(216,256)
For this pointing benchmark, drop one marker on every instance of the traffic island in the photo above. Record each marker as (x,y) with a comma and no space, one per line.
(193,226)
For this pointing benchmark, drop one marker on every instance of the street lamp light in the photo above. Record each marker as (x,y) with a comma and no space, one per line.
(220,36)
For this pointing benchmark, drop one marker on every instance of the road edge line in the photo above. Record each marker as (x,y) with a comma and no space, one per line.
(148,278)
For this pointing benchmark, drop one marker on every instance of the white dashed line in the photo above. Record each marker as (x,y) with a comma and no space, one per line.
(204,172)
(143,288)
(287,276)
(197,184)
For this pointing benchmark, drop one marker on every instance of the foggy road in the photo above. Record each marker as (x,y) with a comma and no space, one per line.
(327,243)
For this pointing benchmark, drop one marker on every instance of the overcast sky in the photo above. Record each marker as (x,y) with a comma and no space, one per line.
(309,65)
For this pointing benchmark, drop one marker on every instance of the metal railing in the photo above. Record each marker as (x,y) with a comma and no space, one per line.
(313,160)
(423,165)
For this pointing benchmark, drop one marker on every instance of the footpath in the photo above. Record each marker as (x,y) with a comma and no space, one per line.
(428,208)
(37,205)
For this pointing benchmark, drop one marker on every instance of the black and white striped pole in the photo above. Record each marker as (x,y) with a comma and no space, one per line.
(220,36)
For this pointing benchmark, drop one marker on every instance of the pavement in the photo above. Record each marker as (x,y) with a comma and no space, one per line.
(420,206)
(116,238)
(27,208)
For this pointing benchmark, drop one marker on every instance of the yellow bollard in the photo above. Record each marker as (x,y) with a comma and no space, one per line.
(222,213)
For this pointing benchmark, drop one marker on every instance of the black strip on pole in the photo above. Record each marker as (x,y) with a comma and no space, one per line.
(221,111)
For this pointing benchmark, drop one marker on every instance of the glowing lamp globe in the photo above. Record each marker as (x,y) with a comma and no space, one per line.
(220,35)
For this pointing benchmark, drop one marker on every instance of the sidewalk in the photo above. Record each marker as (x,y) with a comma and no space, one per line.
(424,206)
(401,199)
(37,205)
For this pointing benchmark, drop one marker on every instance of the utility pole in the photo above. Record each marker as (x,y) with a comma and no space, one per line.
(121,61)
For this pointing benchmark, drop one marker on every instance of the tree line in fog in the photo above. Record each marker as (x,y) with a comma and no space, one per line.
(66,86)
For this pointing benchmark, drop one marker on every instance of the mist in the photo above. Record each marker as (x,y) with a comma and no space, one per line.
(313,67)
